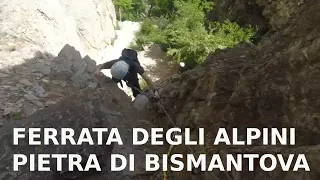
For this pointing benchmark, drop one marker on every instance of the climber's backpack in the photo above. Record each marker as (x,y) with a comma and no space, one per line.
(130,54)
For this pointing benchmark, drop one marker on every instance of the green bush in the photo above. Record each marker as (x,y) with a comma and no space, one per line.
(179,27)
(129,9)
(150,33)
(185,36)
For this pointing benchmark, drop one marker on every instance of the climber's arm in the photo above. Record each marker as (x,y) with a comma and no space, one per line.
(99,68)
(140,70)
(106,65)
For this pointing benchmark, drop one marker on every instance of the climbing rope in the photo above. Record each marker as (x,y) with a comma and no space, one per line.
(169,117)
(171,146)
(168,153)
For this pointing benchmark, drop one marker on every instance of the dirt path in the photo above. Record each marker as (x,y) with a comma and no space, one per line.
(156,62)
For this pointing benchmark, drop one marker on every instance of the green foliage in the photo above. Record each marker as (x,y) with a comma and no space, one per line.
(129,9)
(150,33)
(186,36)
(137,10)
(179,27)
(123,4)
(228,34)
(158,8)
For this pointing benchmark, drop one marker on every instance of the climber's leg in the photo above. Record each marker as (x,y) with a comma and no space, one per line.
(134,85)
(135,91)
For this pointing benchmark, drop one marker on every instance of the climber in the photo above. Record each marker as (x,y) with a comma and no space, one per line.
(182,67)
(127,68)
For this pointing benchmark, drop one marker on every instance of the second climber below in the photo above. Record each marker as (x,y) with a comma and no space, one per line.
(127,68)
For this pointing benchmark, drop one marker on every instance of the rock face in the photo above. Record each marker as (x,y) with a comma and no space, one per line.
(67,95)
(34,73)
(89,26)
(85,109)
(70,66)
(42,82)
(273,84)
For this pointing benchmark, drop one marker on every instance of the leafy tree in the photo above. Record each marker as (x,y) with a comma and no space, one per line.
(123,6)
(184,33)
(179,27)
(158,8)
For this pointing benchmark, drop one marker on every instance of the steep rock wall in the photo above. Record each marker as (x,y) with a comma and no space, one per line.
(89,26)
(273,84)
(65,94)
